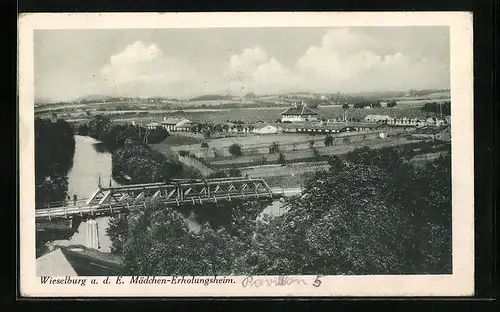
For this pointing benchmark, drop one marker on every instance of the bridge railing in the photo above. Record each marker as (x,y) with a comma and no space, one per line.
(61,203)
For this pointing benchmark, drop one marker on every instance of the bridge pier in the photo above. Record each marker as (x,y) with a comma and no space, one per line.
(92,234)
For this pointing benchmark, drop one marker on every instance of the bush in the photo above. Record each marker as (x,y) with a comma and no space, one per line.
(235,150)
(274,148)
(329,140)
(204,145)
(184,153)
(282,159)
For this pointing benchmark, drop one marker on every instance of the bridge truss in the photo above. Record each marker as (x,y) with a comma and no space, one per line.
(110,200)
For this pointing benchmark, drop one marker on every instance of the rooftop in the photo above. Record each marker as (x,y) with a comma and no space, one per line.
(300,110)
(174,121)
(69,261)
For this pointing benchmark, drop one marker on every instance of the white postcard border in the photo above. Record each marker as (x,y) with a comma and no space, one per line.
(460,283)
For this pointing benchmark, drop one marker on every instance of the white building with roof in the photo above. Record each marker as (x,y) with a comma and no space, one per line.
(174,124)
(299,113)
(378,118)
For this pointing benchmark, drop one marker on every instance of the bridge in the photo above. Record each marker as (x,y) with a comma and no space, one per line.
(110,200)
(106,201)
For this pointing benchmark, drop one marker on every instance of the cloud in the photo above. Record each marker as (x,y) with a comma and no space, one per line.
(350,61)
(254,70)
(142,69)
(344,60)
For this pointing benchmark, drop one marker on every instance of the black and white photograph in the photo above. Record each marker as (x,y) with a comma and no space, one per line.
(251,158)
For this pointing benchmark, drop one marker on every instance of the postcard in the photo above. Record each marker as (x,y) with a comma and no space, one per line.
(277,154)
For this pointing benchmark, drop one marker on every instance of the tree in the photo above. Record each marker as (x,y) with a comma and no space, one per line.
(392,104)
(282,159)
(235,150)
(311,144)
(345,106)
(294,145)
(54,150)
(204,145)
(355,222)
(354,218)
(274,148)
(329,140)
(160,243)
(143,164)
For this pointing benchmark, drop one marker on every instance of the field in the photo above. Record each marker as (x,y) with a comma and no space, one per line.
(268,114)
(128,112)
(302,155)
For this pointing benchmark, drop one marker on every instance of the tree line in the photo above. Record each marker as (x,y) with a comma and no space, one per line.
(54,150)
(370,213)
(438,108)
(114,136)
(136,162)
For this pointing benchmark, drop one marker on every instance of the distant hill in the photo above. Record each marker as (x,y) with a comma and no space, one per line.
(93,98)
(210,97)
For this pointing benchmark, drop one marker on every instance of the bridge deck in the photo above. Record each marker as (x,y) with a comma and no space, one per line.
(109,200)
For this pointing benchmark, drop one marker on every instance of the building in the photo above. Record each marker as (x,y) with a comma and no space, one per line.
(174,124)
(153,125)
(366,126)
(299,113)
(78,261)
(378,118)
(407,122)
(187,127)
(333,127)
(269,129)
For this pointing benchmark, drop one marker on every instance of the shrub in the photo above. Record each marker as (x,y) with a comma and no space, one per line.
(281,159)
(329,140)
(274,148)
(235,150)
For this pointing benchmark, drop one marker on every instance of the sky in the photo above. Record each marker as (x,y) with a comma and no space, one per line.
(183,63)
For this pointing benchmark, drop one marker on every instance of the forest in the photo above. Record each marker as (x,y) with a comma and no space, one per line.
(54,150)
(370,213)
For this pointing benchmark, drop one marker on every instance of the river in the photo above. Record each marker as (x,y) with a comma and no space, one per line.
(90,163)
